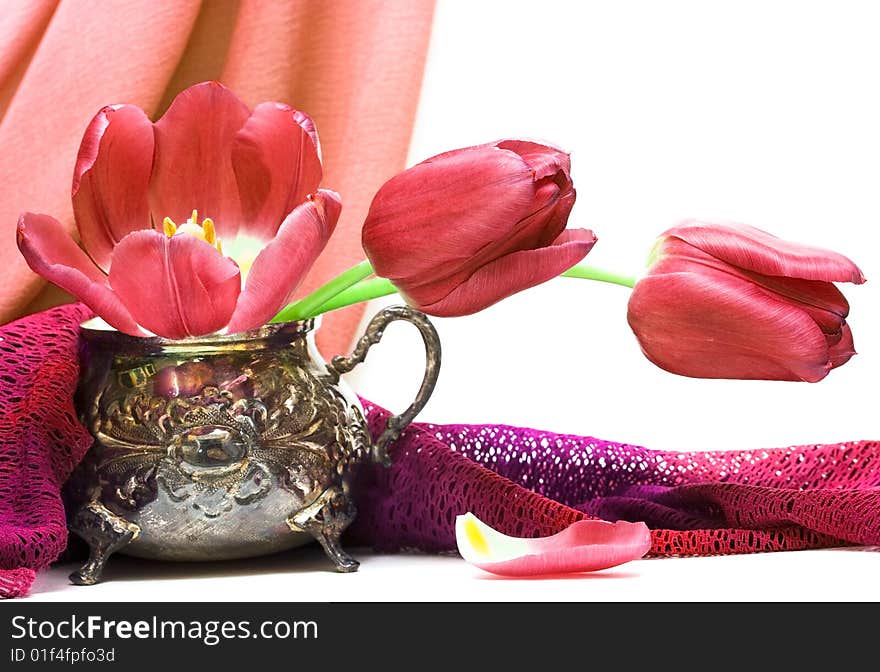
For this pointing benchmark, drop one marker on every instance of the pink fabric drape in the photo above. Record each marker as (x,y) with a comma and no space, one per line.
(354,65)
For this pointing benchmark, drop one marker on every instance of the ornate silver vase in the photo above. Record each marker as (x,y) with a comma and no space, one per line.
(224,447)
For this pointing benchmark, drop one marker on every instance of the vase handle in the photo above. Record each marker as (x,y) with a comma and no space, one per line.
(375,329)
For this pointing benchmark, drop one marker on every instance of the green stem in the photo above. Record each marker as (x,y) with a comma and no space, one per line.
(363,291)
(378,287)
(308,305)
(591,273)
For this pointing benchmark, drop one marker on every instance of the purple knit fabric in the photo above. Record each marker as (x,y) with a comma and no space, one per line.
(523,482)
(528,482)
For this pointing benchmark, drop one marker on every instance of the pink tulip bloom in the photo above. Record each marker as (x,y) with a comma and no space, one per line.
(206,220)
(583,546)
(732,301)
(460,231)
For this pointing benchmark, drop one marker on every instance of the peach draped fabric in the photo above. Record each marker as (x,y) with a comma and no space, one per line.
(354,65)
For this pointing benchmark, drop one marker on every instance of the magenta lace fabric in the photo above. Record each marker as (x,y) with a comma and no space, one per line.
(41,440)
(523,482)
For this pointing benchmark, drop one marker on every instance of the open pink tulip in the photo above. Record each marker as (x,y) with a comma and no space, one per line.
(206,220)
(460,231)
(584,546)
(732,301)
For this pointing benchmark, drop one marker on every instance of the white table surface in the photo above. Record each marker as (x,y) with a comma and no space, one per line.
(304,575)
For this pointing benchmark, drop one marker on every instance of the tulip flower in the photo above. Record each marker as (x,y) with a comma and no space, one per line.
(462,230)
(732,301)
(583,546)
(206,220)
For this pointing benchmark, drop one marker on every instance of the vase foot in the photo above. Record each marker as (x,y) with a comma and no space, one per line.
(326,519)
(105,533)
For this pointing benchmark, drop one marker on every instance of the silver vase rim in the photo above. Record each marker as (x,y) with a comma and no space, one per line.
(96,331)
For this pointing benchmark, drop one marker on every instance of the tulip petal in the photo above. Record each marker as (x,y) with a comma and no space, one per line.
(53,254)
(822,300)
(193,163)
(508,275)
(276,161)
(284,262)
(841,351)
(537,230)
(174,286)
(545,160)
(467,199)
(546,223)
(584,546)
(762,252)
(111,179)
(714,325)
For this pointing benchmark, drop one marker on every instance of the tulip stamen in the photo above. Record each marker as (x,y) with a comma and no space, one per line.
(205,231)
(208,228)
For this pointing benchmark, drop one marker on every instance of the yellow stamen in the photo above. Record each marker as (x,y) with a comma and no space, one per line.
(208,228)
(204,231)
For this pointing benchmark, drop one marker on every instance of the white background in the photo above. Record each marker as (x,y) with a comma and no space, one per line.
(761,112)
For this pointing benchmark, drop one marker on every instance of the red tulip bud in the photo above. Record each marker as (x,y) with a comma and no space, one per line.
(732,301)
(465,229)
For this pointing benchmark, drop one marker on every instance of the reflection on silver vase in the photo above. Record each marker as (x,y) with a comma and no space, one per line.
(224,447)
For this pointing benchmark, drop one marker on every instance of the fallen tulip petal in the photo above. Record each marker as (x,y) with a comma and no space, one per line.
(584,546)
